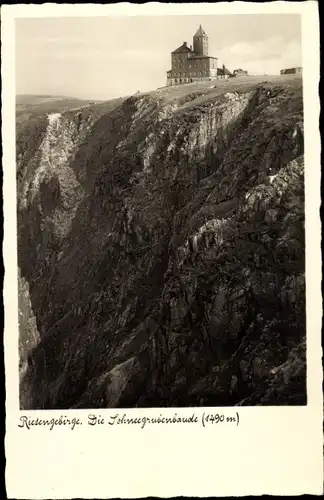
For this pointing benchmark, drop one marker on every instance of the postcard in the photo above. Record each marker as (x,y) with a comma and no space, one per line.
(162,256)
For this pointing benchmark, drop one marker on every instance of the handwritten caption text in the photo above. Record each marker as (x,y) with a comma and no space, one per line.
(204,419)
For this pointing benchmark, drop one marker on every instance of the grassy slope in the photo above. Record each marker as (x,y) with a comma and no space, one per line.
(215,87)
(28,107)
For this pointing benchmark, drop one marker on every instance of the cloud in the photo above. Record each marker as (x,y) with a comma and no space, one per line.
(78,54)
(54,40)
(148,54)
(264,56)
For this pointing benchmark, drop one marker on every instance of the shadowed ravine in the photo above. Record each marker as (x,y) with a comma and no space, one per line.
(161,251)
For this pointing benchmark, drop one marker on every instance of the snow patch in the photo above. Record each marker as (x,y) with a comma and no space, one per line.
(53,118)
(272,178)
(60,140)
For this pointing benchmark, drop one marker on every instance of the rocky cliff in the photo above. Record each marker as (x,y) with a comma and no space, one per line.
(161,247)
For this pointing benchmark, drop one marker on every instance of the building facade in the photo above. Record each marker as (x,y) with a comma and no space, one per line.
(190,64)
(291,71)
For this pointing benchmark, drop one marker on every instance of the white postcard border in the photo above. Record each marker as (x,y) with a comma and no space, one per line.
(274,450)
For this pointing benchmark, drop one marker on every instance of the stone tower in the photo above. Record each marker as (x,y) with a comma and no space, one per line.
(200,43)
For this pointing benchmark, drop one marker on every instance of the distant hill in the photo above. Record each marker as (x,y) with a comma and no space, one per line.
(31,99)
(28,106)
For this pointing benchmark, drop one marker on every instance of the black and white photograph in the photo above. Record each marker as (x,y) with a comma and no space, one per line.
(162,250)
(160,211)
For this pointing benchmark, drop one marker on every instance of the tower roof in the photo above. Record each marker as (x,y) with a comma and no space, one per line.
(200,32)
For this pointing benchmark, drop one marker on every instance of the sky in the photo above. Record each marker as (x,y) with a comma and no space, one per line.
(107,57)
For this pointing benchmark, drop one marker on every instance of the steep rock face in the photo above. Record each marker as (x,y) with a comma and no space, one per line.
(29,336)
(163,243)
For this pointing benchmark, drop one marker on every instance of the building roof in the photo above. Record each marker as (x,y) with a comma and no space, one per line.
(200,32)
(289,69)
(182,49)
(222,71)
(202,57)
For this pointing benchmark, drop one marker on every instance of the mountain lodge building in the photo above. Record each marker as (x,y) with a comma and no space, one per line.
(192,64)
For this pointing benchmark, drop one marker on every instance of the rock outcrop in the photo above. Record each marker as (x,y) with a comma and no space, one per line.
(162,239)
